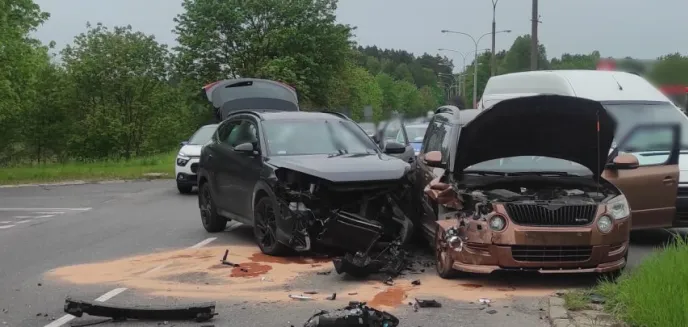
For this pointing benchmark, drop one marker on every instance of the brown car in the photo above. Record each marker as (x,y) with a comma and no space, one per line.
(531,184)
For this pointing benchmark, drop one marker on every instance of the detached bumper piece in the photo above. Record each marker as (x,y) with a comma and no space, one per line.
(199,312)
(354,315)
(391,261)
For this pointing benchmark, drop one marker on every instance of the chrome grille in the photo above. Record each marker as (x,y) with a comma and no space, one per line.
(529,253)
(551,215)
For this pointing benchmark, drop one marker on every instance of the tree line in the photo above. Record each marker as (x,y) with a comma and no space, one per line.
(115,92)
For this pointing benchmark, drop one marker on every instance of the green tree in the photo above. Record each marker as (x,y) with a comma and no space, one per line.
(518,57)
(120,84)
(391,100)
(21,60)
(576,61)
(297,40)
(403,73)
(411,103)
(670,69)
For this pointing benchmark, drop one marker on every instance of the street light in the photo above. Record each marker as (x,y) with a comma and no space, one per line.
(463,68)
(475,70)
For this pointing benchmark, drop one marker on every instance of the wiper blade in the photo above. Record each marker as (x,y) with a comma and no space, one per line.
(541,173)
(484,173)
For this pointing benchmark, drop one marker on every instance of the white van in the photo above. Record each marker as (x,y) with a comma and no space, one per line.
(631,99)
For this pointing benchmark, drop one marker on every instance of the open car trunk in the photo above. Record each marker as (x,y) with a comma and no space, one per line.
(231,95)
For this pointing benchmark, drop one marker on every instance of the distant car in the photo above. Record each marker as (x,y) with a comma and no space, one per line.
(186,164)
(415,134)
(394,131)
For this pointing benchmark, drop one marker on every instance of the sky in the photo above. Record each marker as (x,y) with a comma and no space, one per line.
(618,28)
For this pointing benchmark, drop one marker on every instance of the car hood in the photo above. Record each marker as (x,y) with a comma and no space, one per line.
(345,168)
(191,150)
(564,127)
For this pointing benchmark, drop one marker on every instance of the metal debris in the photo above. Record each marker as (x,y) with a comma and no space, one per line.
(310,292)
(416,282)
(300,297)
(428,303)
(353,315)
(225,262)
(324,272)
(491,311)
(389,281)
(332,297)
(484,301)
(199,312)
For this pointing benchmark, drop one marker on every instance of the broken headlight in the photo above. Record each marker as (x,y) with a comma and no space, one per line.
(618,207)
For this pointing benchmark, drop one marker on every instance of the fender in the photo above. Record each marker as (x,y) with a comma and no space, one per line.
(263,186)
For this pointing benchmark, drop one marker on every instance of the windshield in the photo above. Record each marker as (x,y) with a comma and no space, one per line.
(530,164)
(304,137)
(416,133)
(630,114)
(369,128)
(203,135)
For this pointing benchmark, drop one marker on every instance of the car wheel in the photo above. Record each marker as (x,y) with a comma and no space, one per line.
(212,221)
(443,260)
(184,189)
(265,228)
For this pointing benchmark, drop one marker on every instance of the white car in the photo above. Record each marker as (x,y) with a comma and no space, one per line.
(186,164)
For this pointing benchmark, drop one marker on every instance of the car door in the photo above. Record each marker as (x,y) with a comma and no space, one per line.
(247,168)
(220,165)
(651,188)
(395,131)
(435,140)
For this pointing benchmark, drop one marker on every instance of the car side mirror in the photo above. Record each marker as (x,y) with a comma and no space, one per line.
(394,148)
(624,161)
(183,143)
(375,138)
(433,159)
(246,148)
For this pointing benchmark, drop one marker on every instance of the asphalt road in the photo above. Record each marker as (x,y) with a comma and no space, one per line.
(145,244)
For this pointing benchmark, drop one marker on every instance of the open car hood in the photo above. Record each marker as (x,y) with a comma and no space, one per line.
(564,127)
(231,95)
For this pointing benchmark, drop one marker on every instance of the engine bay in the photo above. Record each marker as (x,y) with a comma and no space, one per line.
(365,221)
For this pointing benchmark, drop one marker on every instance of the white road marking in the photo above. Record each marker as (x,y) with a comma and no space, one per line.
(44,216)
(45,209)
(6,226)
(67,318)
(22,221)
(202,243)
(49,212)
(22,217)
(5,222)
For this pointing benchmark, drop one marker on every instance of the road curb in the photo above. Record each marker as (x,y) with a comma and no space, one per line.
(559,316)
(82,182)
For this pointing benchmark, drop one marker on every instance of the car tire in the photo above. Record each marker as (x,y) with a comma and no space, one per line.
(443,261)
(265,228)
(211,220)
(184,189)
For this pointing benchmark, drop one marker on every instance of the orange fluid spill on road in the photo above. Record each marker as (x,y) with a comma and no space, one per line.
(250,269)
(390,298)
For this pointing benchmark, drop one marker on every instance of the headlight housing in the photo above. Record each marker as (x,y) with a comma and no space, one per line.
(182,159)
(618,207)
(497,223)
(605,224)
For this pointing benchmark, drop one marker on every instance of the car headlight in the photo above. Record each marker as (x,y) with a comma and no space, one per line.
(497,223)
(605,224)
(182,159)
(618,207)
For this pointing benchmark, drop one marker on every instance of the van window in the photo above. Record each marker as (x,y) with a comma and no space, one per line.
(630,114)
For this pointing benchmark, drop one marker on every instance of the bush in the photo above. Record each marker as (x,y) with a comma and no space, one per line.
(655,294)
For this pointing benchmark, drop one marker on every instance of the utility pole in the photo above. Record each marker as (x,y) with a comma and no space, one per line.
(493,68)
(534,50)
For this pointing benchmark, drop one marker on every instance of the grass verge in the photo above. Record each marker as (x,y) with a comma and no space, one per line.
(104,170)
(654,294)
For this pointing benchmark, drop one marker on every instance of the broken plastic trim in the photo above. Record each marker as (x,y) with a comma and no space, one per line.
(199,312)
(355,314)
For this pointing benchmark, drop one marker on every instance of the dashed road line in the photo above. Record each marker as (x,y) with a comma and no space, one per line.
(67,318)
(6,226)
(45,209)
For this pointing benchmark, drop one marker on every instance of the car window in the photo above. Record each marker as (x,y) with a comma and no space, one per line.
(436,137)
(400,137)
(203,135)
(416,133)
(245,132)
(650,146)
(226,130)
(306,137)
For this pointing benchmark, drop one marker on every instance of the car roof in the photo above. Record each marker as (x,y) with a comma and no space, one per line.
(596,85)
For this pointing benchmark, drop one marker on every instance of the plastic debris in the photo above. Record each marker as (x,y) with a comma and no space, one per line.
(332,297)
(356,314)
(428,303)
(225,262)
(300,297)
